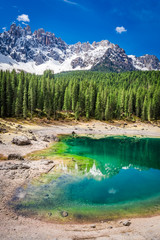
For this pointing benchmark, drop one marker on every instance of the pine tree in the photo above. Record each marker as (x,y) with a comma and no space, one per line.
(3,95)
(25,103)
(98,110)
(144,110)
(107,110)
(77,111)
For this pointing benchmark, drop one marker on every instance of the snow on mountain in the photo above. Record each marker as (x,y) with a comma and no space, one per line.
(20,49)
(146,62)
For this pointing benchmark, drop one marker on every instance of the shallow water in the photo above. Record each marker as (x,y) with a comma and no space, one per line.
(121,179)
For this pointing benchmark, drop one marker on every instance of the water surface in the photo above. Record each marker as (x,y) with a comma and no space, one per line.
(119,178)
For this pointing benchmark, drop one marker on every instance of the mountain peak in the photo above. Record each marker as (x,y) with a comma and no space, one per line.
(40,50)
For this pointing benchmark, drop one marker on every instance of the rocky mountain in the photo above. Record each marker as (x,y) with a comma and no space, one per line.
(35,52)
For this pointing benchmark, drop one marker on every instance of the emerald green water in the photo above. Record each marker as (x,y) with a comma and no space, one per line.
(120,179)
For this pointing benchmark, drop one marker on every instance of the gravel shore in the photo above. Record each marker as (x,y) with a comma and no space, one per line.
(14,173)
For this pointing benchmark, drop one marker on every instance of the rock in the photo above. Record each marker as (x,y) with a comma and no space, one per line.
(33,138)
(126,223)
(111,121)
(64,214)
(24,166)
(13,156)
(54,138)
(19,126)
(14,167)
(21,140)
(134,125)
(3,130)
(46,138)
(93,226)
(47,162)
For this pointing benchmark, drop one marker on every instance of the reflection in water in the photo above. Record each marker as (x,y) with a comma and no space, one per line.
(115,153)
(124,178)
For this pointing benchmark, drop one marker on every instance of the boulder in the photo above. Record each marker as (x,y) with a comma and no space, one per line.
(21,140)
(13,156)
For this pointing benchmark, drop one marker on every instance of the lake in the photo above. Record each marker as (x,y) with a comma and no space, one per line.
(117,177)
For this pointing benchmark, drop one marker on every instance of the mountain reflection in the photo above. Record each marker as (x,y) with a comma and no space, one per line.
(112,154)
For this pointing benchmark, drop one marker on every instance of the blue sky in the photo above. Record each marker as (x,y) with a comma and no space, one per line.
(92,20)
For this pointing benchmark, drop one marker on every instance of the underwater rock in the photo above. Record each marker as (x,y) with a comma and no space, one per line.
(64,214)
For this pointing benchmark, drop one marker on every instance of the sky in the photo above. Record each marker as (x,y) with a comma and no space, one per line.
(132,24)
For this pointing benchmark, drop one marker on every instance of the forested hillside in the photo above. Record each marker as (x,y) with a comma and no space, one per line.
(102,96)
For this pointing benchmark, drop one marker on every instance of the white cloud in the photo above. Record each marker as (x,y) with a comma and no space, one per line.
(23,18)
(70,2)
(4,29)
(120,29)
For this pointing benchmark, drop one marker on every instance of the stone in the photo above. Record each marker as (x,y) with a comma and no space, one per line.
(14,156)
(126,223)
(64,214)
(21,140)
(33,138)
(46,138)
(3,130)
(93,226)
(19,126)
(14,167)
(54,138)
(24,166)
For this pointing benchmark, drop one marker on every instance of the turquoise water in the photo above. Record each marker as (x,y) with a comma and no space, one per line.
(121,179)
